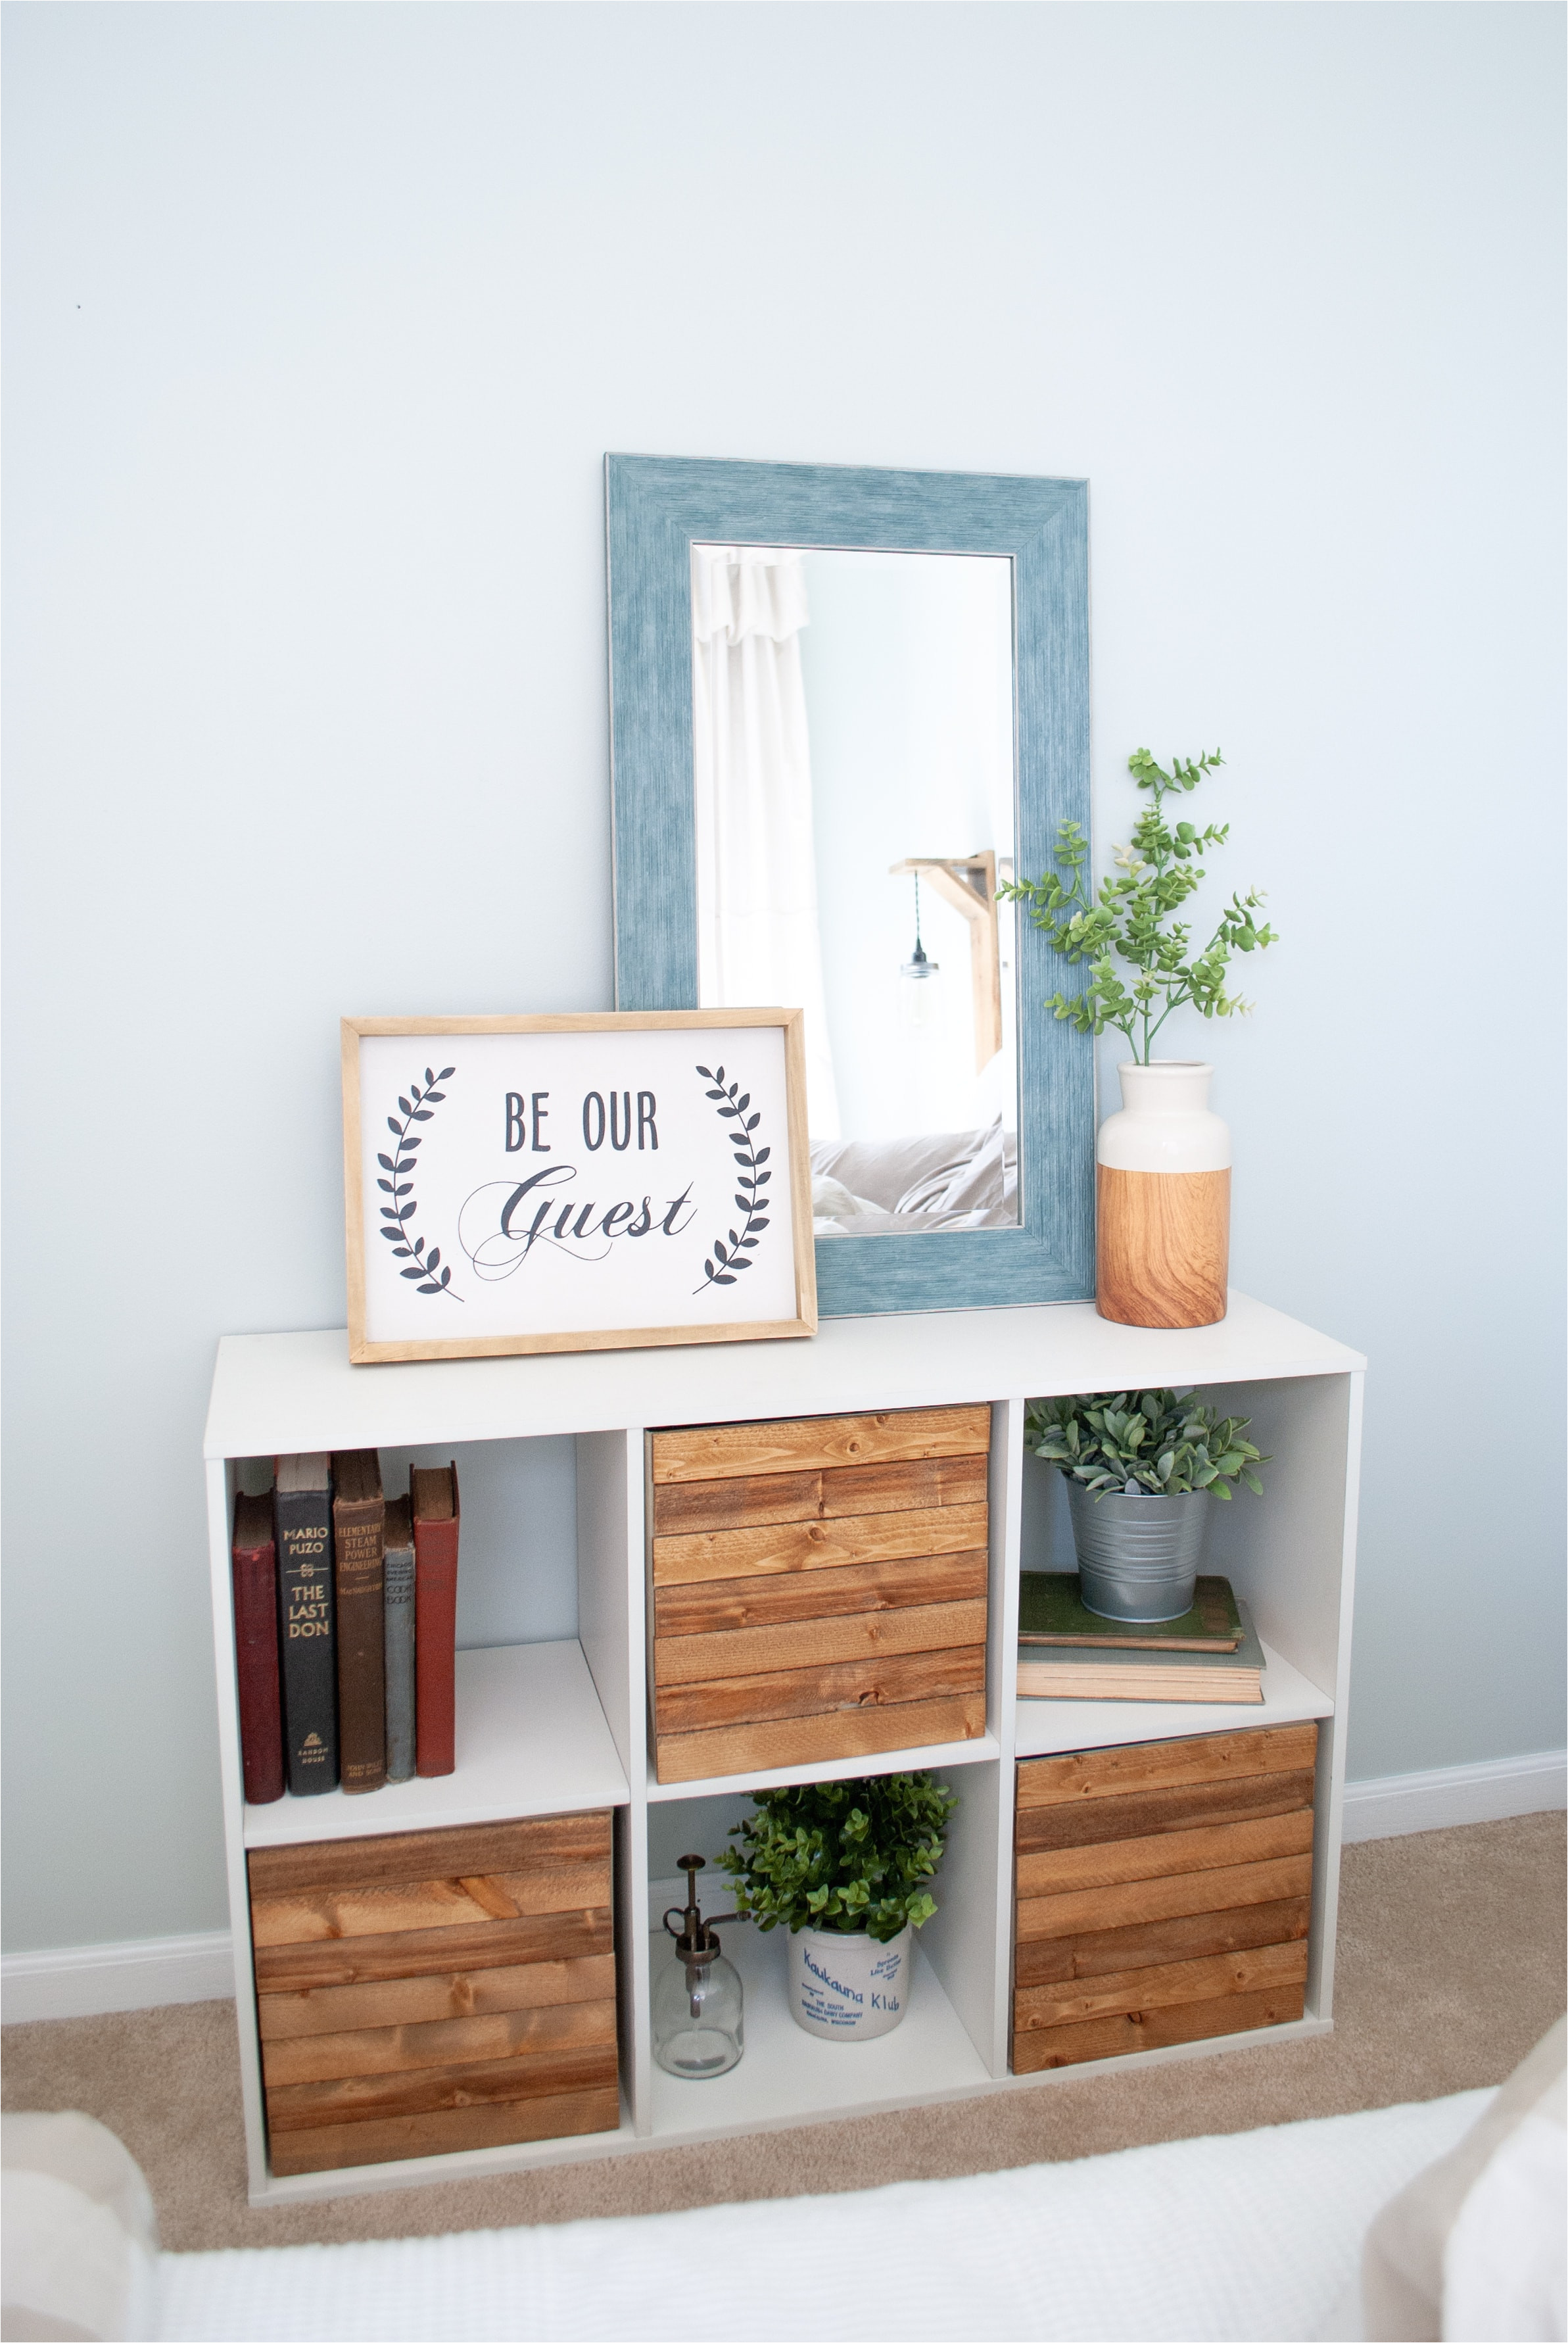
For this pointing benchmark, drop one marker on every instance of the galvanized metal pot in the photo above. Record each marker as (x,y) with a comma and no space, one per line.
(1137,1557)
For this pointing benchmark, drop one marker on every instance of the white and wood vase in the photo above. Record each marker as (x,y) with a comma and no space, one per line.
(1164,1236)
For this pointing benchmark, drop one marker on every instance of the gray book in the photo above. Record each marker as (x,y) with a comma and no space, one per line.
(400,1599)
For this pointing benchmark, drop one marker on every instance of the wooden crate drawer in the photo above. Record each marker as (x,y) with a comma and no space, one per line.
(819,1588)
(435,1990)
(1163,1893)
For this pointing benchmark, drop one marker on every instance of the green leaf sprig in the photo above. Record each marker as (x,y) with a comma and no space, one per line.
(1134,916)
(1145,1443)
(850,1856)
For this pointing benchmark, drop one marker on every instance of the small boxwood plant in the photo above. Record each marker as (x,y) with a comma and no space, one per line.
(1145,1443)
(850,1856)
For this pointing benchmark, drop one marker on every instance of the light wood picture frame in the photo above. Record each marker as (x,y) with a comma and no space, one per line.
(476,1151)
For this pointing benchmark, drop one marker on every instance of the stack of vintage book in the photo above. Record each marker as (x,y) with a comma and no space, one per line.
(1066,1651)
(344,1614)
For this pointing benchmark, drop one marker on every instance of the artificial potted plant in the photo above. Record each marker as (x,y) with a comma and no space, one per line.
(1139,1465)
(1163,1163)
(845,1867)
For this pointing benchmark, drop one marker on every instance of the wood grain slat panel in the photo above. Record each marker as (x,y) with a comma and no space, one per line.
(335,2147)
(887,1682)
(817,1643)
(801,1741)
(1093,1821)
(434,1952)
(419,1905)
(716,1606)
(444,2042)
(415,2001)
(475,1847)
(1162,1764)
(1102,1952)
(1163,1899)
(819,1545)
(302,2107)
(1209,1849)
(1164,1988)
(1192,2021)
(683,1507)
(725,1452)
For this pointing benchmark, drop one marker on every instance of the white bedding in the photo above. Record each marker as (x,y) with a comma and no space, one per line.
(1254,2236)
(937,1180)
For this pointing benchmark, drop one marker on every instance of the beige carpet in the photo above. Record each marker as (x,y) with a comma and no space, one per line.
(1450,1966)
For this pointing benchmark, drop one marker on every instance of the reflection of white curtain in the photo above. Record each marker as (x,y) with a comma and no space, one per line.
(759,943)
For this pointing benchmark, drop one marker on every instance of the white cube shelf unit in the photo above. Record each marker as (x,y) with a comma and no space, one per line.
(562,1723)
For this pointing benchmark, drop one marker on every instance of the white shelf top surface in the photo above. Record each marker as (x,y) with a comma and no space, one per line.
(275,1394)
(788,2076)
(830,1769)
(531,1740)
(1046,1726)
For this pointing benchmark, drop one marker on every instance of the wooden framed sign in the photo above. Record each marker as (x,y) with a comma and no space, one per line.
(575,1183)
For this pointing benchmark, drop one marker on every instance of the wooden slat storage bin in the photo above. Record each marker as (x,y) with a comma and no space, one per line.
(435,1990)
(819,1588)
(1163,1893)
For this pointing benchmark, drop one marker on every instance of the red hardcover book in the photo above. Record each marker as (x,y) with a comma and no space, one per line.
(255,1649)
(434,1494)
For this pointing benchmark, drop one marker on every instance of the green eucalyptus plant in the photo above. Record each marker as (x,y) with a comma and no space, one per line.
(1157,873)
(1145,1443)
(850,1856)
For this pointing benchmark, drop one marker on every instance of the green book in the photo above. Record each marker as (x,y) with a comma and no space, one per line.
(1047,1672)
(1052,1611)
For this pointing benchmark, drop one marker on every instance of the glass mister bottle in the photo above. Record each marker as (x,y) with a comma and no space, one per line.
(697,2029)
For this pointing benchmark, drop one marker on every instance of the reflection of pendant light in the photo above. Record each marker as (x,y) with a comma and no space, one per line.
(917,1003)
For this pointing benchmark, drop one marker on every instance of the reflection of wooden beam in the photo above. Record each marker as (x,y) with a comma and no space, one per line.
(967,882)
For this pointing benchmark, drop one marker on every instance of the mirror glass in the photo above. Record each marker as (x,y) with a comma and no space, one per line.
(854,760)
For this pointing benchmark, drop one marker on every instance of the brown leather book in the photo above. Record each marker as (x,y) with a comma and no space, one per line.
(359,1548)
(255,1649)
(434,1494)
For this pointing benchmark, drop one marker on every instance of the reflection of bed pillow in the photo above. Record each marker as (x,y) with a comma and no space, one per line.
(831,1201)
(982,1180)
(881,1170)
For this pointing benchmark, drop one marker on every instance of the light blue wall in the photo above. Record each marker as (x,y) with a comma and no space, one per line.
(320,321)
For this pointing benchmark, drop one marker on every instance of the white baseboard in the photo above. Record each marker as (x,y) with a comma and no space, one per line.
(88,1980)
(1488,1791)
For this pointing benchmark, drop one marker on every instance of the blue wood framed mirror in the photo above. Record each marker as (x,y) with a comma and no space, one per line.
(845,706)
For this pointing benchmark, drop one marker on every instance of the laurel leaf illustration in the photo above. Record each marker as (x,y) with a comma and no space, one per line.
(724,1280)
(385,1187)
(762,1155)
(429,1077)
(433,1258)
(387,1163)
(420,1115)
(446,1073)
(432,1288)
(417,1271)
(752,1122)
(407,1110)
(418,1244)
